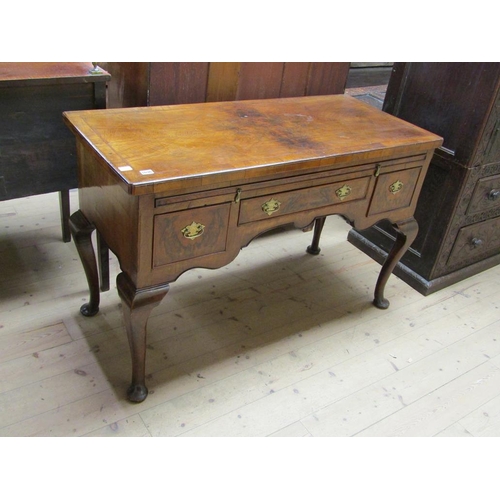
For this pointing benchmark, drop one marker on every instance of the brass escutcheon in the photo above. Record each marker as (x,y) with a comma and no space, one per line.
(395,187)
(344,191)
(271,206)
(192,231)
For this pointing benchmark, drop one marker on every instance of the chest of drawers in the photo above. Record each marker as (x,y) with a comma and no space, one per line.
(459,207)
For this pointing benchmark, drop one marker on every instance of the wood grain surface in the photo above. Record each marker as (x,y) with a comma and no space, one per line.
(156,145)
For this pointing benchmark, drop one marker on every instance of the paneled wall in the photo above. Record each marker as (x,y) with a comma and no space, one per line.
(159,83)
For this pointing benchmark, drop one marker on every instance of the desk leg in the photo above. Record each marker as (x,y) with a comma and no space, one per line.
(406,232)
(103,259)
(82,229)
(313,248)
(64,208)
(137,305)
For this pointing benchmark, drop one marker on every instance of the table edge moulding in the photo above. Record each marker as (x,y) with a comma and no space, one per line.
(171,188)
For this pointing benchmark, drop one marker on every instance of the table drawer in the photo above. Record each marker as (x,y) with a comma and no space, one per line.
(394,190)
(476,241)
(486,195)
(187,234)
(299,200)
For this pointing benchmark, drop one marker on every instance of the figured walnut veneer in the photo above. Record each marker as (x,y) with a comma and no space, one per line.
(170,188)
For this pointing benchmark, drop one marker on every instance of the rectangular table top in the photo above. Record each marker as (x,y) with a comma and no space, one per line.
(148,148)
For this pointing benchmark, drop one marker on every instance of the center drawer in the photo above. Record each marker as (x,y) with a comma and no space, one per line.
(298,200)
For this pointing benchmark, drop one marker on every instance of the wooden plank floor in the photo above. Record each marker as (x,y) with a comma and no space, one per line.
(278,343)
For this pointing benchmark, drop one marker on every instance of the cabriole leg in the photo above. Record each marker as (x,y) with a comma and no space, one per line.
(81,230)
(64,209)
(103,259)
(313,248)
(137,306)
(406,232)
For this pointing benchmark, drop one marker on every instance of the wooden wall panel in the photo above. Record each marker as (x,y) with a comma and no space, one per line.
(176,83)
(259,80)
(294,81)
(327,78)
(158,83)
(223,81)
(129,84)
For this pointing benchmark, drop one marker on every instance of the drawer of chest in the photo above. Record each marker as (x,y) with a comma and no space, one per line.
(300,200)
(190,233)
(476,241)
(394,190)
(486,195)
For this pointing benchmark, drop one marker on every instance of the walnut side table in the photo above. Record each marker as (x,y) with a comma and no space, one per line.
(171,188)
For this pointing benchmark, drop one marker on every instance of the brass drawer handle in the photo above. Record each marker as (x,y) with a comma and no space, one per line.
(476,242)
(493,195)
(271,206)
(344,191)
(192,231)
(395,187)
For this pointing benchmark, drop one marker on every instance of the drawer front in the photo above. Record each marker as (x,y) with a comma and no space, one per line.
(190,233)
(486,195)
(394,190)
(299,200)
(476,241)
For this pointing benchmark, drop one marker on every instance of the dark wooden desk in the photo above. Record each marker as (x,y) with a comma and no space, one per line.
(37,151)
(170,188)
